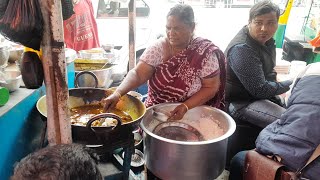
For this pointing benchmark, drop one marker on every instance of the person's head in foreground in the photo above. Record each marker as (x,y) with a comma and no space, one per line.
(59,162)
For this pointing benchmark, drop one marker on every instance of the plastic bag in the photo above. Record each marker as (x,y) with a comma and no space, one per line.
(31,70)
(22,22)
(3,7)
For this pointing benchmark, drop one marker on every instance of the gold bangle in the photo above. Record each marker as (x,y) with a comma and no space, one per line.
(186,106)
(117,93)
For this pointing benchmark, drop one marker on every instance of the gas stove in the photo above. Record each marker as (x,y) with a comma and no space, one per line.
(115,150)
(116,155)
(119,139)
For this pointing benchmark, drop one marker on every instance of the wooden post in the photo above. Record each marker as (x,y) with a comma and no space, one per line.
(54,64)
(132,33)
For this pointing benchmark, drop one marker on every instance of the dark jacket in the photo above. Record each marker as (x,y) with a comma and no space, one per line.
(296,134)
(263,60)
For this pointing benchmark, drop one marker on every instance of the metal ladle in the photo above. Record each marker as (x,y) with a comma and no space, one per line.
(159,116)
(174,130)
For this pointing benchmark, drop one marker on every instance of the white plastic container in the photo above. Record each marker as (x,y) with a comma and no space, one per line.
(296,67)
(12,80)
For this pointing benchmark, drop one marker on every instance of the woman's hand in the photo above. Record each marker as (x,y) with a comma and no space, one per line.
(111,101)
(178,112)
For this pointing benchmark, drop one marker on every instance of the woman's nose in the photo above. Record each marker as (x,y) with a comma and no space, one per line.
(170,32)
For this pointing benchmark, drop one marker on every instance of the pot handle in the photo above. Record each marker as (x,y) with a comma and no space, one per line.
(76,79)
(103,115)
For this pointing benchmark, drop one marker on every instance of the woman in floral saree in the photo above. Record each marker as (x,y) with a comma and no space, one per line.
(179,68)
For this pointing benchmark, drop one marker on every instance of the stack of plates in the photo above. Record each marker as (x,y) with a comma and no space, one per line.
(96,53)
(282,67)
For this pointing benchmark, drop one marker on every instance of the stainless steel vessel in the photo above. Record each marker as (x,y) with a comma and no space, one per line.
(103,77)
(172,159)
(4,55)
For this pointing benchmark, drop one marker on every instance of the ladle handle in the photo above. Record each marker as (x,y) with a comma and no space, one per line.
(103,115)
(159,115)
(76,79)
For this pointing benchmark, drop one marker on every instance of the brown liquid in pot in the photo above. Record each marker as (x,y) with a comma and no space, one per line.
(81,115)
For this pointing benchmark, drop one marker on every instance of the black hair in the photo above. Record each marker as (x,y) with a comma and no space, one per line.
(63,162)
(263,7)
(184,12)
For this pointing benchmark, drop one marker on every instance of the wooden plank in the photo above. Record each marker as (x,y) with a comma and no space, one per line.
(132,33)
(54,64)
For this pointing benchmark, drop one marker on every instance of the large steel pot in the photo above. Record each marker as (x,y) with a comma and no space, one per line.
(101,73)
(172,159)
(89,96)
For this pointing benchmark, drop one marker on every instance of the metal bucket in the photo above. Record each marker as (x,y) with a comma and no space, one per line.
(174,159)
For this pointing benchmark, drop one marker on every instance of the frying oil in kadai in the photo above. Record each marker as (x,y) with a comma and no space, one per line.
(81,115)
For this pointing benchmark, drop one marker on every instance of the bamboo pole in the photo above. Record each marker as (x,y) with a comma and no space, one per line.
(132,33)
(54,64)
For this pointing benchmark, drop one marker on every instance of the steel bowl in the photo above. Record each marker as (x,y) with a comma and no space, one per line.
(107,47)
(15,54)
(12,80)
(136,158)
(138,144)
(94,53)
(4,55)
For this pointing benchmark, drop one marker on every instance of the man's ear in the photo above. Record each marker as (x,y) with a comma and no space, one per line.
(249,26)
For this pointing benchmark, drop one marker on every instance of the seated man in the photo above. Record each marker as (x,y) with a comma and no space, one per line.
(68,161)
(251,79)
(296,135)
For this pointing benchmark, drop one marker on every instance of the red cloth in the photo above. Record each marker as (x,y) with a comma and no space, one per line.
(80,30)
(173,78)
(315,41)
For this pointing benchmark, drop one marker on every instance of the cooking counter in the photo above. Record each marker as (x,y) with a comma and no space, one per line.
(15,98)
(20,127)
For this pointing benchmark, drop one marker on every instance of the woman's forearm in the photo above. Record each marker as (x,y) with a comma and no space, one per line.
(135,77)
(201,97)
(208,90)
(130,82)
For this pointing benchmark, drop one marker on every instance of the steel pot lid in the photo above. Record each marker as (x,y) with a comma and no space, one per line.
(70,55)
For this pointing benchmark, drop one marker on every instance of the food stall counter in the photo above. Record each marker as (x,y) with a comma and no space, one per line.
(20,127)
